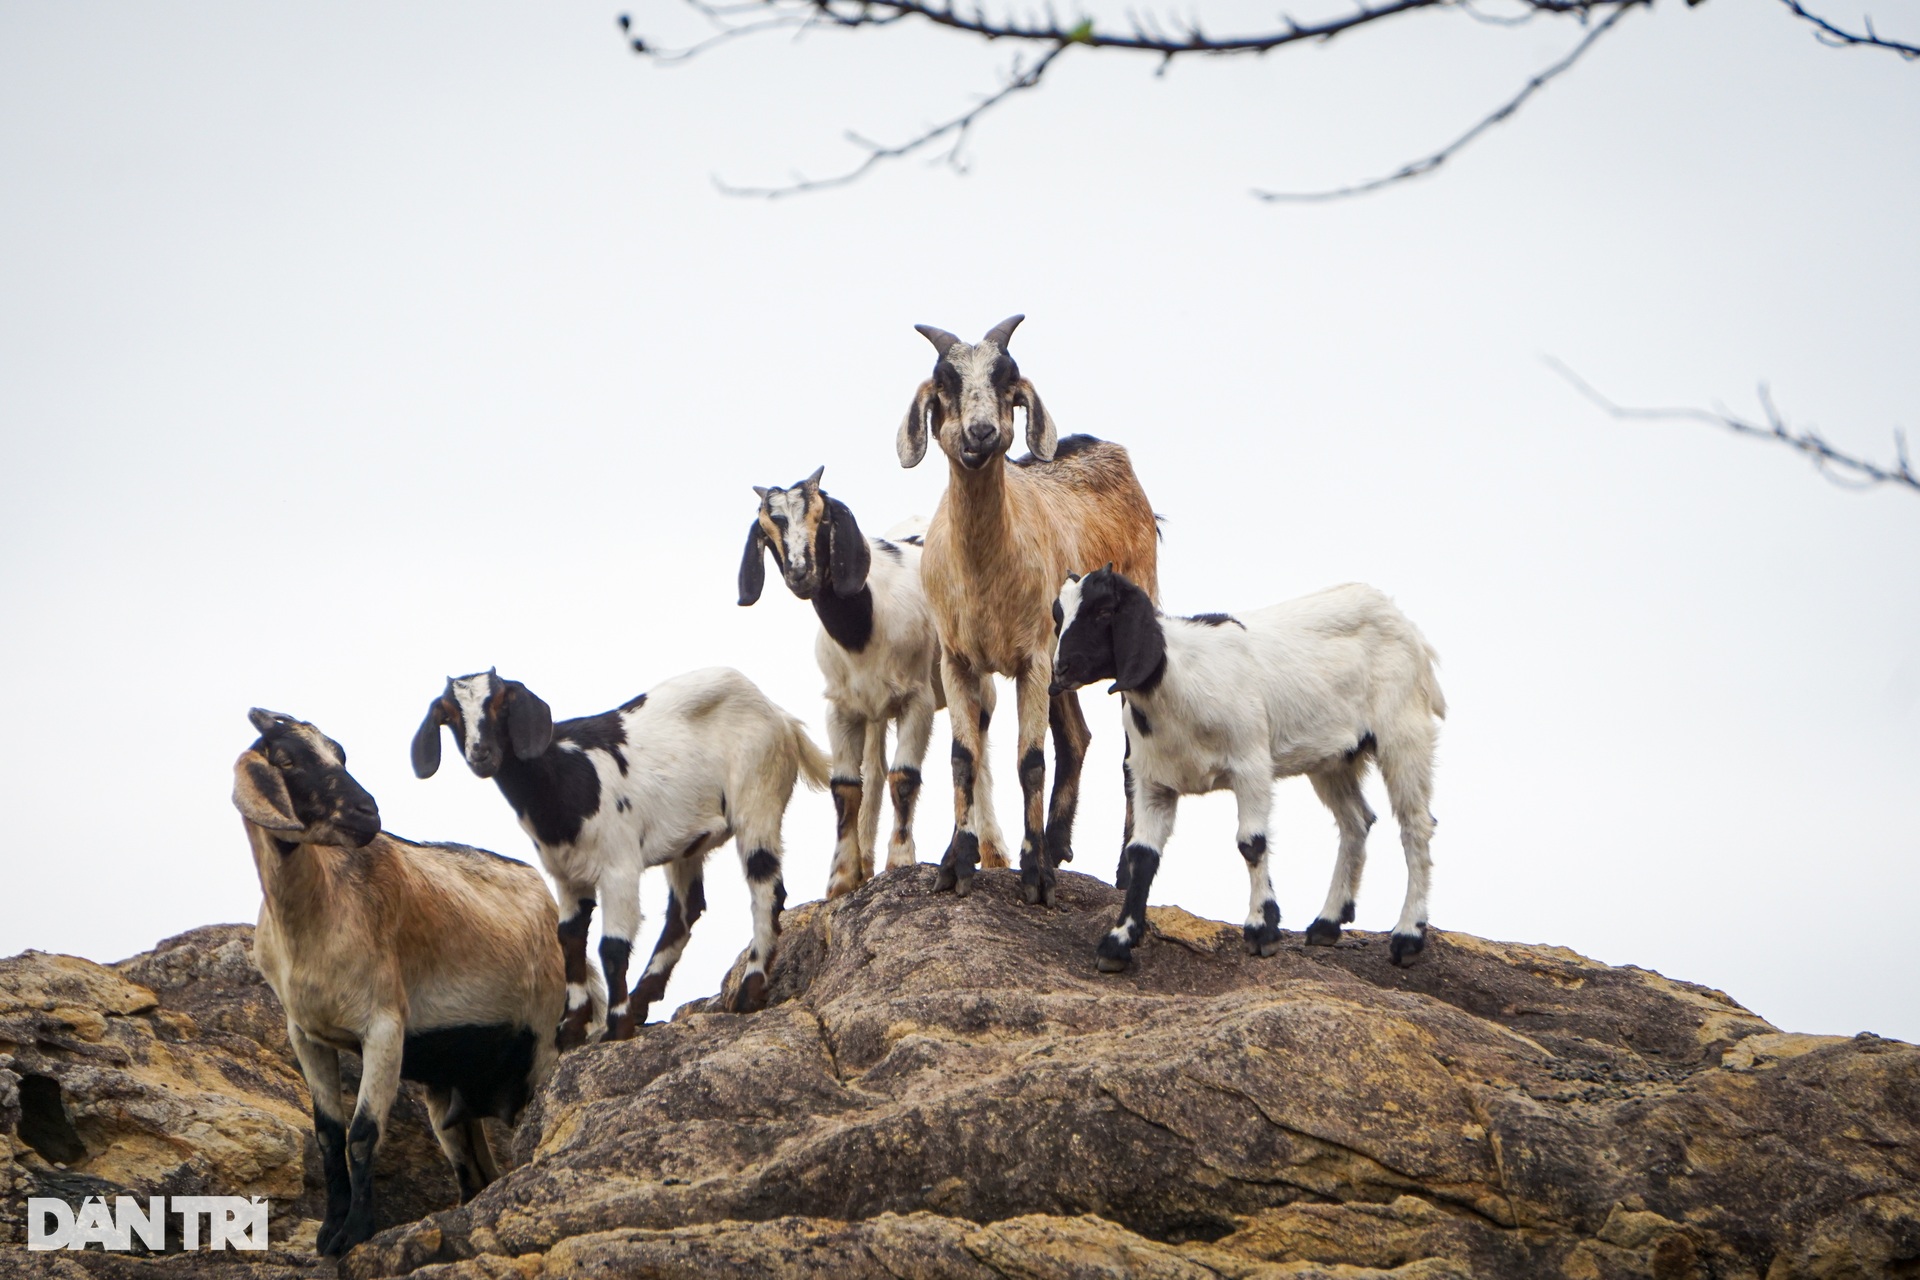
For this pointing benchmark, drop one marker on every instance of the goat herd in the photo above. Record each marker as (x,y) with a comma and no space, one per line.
(436,962)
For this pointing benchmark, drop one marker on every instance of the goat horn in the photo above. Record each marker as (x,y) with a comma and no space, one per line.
(813,481)
(1002,333)
(940,338)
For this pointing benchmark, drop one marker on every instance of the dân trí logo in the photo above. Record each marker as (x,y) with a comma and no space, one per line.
(232,1222)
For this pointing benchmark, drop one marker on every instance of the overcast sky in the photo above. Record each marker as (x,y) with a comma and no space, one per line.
(347,347)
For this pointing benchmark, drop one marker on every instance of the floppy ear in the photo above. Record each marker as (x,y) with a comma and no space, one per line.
(1139,645)
(426,741)
(848,556)
(260,794)
(529,722)
(912,443)
(753,566)
(1041,438)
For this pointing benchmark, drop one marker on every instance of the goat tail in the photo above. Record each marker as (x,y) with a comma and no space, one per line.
(1430,683)
(815,768)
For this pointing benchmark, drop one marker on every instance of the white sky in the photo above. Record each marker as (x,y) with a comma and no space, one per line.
(345,348)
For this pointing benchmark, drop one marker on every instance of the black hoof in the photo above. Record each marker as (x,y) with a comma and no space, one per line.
(323,1242)
(1262,939)
(357,1229)
(957,867)
(752,995)
(1113,956)
(1036,886)
(1406,947)
(1322,933)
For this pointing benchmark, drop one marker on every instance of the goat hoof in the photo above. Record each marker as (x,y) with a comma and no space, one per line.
(1262,939)
(1112,955)
(752,995)
(1406,947)
(619,1027)
(963,883)
(328,1234)
(357,1229)
(1322,933)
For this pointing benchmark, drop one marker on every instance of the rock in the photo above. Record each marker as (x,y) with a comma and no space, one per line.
(170,1074)
(946,1087)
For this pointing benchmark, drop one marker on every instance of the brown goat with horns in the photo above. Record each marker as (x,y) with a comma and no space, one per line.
(1005,536)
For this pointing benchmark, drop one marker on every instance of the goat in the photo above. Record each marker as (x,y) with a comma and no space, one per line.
(1324,685)
(661,780)
(877,650)
(435,962)
(1004,538)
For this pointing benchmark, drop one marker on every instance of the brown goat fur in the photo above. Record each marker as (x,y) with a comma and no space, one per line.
(439,961)
(1005,536)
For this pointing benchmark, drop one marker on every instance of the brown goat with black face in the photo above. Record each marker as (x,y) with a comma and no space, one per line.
(1004,538)
(433,962)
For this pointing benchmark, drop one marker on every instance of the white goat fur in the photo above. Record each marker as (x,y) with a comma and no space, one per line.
(1318,685)
(699,759)
(892,677)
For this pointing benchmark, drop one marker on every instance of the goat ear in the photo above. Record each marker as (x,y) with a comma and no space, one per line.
(426,741)
(753,566)
(529,721)
(260,794)
(848,556)
(1139,645)
(1041,437)
(912,442)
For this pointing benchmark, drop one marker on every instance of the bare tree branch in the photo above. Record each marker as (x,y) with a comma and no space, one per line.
(1159,35)
(1828,34)
(957,127)
(1427,164)
(1843,469)
(1162,37)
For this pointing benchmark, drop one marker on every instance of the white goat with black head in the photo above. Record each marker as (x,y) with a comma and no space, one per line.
(1004,538)
(434,962)
(877,649)
(660,781)
(1324,685)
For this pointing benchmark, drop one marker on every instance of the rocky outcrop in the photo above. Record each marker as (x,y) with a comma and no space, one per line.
(946,1087)
(170,1074)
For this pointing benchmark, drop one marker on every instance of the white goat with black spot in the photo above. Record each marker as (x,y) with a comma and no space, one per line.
(662,780)
(1322,685)
(877,649)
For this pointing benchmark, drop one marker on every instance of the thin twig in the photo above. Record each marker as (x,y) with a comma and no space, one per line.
(1841,468)
(1165,37)
(1828,34)
(1146,36)
(876,153)
(1427,164)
